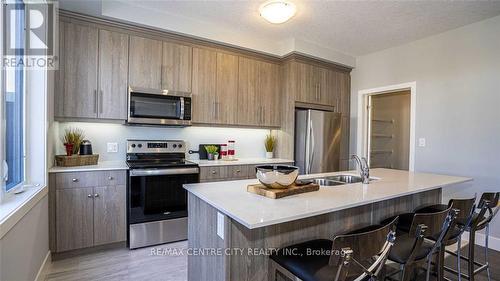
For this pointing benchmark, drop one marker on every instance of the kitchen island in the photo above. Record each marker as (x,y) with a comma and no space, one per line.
(232,230)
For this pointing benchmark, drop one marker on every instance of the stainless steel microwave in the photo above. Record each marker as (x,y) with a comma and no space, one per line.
(158,107)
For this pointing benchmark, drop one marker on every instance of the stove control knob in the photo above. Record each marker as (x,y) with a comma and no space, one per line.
(175,145)
(139,145)
(133,145)
(180,145)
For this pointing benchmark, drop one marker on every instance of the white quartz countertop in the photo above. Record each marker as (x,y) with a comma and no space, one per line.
(253,211)
(242,161)
(101,166)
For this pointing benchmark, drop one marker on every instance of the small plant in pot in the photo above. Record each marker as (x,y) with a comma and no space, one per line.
(212,152)
(270,144)
(72,139)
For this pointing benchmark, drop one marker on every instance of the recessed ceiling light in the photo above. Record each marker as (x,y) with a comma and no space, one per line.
(277,11)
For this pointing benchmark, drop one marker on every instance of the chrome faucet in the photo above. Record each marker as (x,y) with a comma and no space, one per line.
(364,170)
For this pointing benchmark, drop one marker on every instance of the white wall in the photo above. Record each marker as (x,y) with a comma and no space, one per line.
(249,142)
(24,248)
(458,99)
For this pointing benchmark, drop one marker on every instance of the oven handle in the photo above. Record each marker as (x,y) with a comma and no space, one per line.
(161,172)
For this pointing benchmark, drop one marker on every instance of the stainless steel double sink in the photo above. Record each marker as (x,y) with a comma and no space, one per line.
(337,180)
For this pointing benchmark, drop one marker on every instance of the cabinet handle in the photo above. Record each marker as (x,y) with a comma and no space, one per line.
(319,92)
(215,110)
(111,178)
(95,101)
(101,102)
(96,195)
(337,106)
(89,195)
(237,171)
(74,180)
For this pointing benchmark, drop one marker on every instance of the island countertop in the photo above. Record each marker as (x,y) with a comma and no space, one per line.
(254,211)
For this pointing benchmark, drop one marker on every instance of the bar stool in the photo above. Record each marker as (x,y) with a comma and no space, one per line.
(322,259)
(411,247)
(463,221)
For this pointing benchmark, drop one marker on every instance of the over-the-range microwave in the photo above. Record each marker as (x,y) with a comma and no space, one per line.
(158,107)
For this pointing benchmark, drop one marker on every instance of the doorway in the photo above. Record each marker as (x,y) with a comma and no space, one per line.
(386,126)
(389,130)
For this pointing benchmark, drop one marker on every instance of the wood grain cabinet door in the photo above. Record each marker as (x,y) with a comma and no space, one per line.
(270,94)
(113,70)
(306,83)
(145,59)
(204,85)
(109,214)
(74,217)
(249,104)
(78,97)
(176,68)
(227,88)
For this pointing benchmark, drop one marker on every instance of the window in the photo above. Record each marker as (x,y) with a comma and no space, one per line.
(14,97)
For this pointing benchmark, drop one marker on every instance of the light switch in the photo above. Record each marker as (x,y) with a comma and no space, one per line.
(112,147)
(220,225)
(421,142)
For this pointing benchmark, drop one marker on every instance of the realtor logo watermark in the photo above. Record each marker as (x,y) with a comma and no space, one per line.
(30,35)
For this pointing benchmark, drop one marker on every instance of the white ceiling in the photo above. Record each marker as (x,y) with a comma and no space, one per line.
(350,27)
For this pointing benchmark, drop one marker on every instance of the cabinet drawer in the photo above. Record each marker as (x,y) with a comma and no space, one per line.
(111,178)
(76,179)
(212,173)
(237,172)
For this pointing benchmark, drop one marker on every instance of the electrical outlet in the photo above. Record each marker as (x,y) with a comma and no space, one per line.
(220,225)
(112,147)
(421,142)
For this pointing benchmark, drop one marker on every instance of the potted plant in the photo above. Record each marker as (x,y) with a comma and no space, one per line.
(270,144)
(72,139)
(212,153)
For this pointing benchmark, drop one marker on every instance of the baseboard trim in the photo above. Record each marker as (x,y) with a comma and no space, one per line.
(40,276)
(494,242)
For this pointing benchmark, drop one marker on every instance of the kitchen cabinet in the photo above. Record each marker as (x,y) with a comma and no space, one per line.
(92,80)
(230,172)
(258,93)
(176,69)
(204,85)
(226,102)
(113,70)
(145,63)
(316,84)
(89,209)
(77,94)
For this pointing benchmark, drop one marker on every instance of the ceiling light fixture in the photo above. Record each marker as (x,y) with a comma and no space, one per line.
(277,11)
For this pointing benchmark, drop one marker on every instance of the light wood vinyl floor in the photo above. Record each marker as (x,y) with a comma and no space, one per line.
(141,264)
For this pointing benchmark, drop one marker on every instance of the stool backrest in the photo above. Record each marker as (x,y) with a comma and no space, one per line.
(433,221)
(488,204)
(466,208)
(364,246)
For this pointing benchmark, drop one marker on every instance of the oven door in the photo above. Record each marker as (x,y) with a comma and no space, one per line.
(157,194)
(159,108)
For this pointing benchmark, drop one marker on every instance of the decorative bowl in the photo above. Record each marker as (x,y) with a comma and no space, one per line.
(277,176)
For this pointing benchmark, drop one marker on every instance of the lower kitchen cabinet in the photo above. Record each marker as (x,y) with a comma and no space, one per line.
(230,172)
(87,209)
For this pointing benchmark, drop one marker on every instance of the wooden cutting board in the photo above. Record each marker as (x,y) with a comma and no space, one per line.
(275,193)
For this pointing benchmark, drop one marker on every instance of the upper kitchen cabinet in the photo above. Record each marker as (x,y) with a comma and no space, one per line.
(316,85)
(76,94)
(145,63)
(176,67)
(91,82)
(258,93)
(113,68)
(226,101)
(204,85)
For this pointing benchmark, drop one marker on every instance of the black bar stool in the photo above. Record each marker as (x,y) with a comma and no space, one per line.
(462,222)
(411,247)
(347,257)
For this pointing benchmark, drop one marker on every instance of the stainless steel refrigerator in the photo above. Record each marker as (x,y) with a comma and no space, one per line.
(317,141)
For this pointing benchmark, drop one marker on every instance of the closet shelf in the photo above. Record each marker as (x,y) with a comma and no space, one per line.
(381,151)
(382,136)
(391,121)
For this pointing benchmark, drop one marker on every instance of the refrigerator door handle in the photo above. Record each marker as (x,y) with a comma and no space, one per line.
(307,157)
(312,146)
